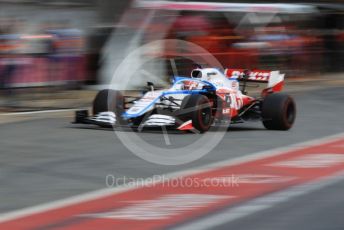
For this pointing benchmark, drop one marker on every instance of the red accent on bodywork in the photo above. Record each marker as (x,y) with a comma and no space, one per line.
(246,100)
(234,113)
(277,88)
(186,126)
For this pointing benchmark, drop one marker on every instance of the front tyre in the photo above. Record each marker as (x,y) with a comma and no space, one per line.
(278,111)
(109,100)
(197,108)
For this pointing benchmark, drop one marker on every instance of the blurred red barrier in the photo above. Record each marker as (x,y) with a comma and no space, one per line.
(42,71)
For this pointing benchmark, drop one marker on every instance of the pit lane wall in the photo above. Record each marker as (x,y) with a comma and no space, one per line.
(44,44)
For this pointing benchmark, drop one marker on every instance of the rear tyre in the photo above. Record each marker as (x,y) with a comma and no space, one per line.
(197,108)
(109,100)
(278,111)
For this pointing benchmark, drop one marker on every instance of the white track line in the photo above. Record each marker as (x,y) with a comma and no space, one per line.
(260,204)
(111,191)
(38,112)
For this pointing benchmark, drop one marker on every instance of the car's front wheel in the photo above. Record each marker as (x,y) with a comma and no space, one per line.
(109,100)
(197,108)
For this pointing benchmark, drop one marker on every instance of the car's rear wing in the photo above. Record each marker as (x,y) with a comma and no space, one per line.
(273,79)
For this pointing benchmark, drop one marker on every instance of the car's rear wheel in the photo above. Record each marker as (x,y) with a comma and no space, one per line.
(197,108)
(278,111)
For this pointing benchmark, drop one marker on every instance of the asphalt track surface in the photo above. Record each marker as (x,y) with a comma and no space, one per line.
(48,159)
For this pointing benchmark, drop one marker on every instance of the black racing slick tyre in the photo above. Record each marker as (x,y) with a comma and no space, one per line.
(197,108)
(278,111)
(109,100)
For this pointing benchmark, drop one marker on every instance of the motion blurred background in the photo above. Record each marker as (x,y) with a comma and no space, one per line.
(56,54)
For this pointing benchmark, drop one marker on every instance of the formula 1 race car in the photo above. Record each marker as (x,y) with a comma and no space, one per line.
(207,98)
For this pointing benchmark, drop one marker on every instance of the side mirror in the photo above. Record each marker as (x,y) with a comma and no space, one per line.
(150,85)
(172,79)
